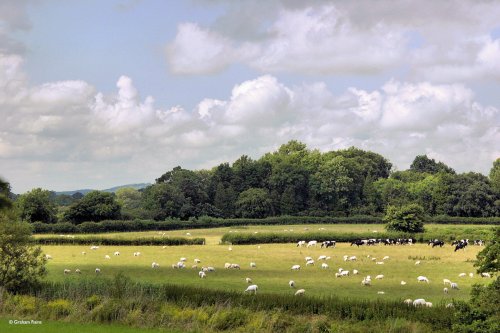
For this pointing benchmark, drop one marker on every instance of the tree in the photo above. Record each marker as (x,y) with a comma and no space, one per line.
(488,258)
(21,264)
(495,176)
(4,195)
(422,163)
(37,206)
(481,313)
(94,206)
(407,218)
(163,200)
(254,203)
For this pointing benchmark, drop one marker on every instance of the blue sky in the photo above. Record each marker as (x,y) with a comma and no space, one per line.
(100,93)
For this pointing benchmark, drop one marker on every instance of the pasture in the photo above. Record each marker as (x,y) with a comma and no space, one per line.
(274,262)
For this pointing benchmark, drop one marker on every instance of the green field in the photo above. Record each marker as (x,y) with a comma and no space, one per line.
(273,265)
(213,235)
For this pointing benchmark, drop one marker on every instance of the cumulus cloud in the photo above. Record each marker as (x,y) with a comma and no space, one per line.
(68,127)
(434,40)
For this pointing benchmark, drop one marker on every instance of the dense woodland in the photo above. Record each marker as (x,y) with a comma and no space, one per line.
(293,180)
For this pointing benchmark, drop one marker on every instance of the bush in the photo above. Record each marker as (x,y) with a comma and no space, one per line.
(93,240)
(59,308)
(407,218)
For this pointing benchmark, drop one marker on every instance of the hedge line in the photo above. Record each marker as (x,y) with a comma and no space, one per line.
(168,241)
(243,238)
(209,222)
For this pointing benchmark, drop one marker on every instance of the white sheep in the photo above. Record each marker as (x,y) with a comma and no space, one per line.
(227,265)
(454,285)
(345,258)
(67,271)
(449,305)
(422,279)
(344,273)
(77,271)
(197,260)
(94,247)
(445,290)
(403,283)
(408,301)
(253,265)
(301,243)
(48,256)
(366,282)
(248,280)
(321,258)
(230,248)
(379,277)
(308,258)
(202,274)
(183,259)
(116,253)
(194,266)
(251,288)
(300,292)
(181,264)
(155,265)
(107,257)
(188,234)
(235,266)
(353,258)
(417,262)
(328,258)
(137,254)
(419,301)
(324,266)
(84,253)
(487,275)
(98,271)
(428,304)
(385,258)
(380,292)
(446,281)
(355,272)
(462,275)
(295,268)
(379,263)
(291,283)
(471,275)
(210,269)
(310,263)
(312,243)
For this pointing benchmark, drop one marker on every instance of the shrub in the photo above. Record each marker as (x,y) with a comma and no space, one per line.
(407,218)
(59,308)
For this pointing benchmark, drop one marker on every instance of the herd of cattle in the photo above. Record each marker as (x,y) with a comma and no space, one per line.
(459,244)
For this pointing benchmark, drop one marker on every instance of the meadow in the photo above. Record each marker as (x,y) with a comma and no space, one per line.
(274,262)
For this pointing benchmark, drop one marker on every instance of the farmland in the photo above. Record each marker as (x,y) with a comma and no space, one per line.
(274,261)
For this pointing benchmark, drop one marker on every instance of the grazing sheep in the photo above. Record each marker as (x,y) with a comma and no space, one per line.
(94,247)
(428,304)
(419,301)
(324,266)
(84,253)
(300,292)
(328,258)
(462,275)
(183,259)
(67,271)
(454,285)
(379,263)
(98,271)
(248,280)
(337,275)
(116,253)
(227,265)
(403,283)
(197,261)
(312,243)
(107,257)
(48,256)
(445,290)
(174,266)
(202,274)
(385,258)
(253,265)
(449,305)
(301,243)
(380,292)
(77,271)
(194,266)
(422,279)
(188,234)
(295,268)
(446,281)
(471,275)
(345,258)
(353,258)
(155,265)
(379,277)
(251,288)
(408,301)
(355,272)
(417,262)
(310,263)
(291,283)
(321,258)
(235,266)
(374,259)
(181,264)
(344,273)
(366,282)
(210,269)
(308,258)
(488,275)
(230,248)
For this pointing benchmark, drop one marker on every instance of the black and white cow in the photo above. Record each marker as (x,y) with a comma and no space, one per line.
(436,242)
(328,244)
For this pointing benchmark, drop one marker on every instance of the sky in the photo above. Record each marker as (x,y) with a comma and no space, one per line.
(95,94)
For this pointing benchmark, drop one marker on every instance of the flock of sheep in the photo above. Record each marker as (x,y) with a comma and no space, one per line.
(309,261)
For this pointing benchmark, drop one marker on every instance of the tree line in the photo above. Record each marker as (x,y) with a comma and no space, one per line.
(293,180)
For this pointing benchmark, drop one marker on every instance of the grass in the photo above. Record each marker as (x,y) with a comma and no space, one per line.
(214,235)
(273,268)
(64,327)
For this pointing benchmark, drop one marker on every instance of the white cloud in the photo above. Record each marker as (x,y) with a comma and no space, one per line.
(61,130)
(434,40)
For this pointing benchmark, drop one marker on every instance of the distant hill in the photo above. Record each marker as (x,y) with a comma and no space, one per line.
(112,189)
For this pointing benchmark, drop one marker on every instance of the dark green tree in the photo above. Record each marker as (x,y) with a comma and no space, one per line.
(4,195)
(254,203)
(163,200)
(488,259)
(422,163)
(94,206)
(37,206)
(407,218)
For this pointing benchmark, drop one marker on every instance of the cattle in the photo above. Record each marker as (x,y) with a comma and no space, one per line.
(436,242)
(461,245)
(357,242)
(328,244)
